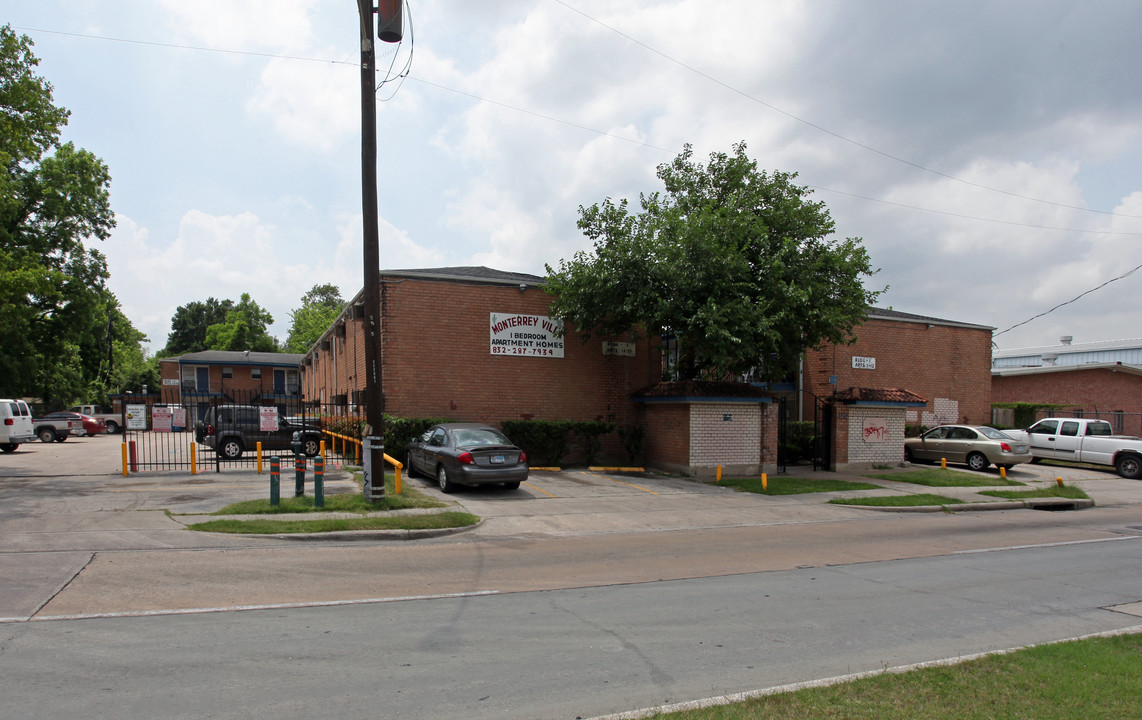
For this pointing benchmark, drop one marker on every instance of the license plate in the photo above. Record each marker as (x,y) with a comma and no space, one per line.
(1020,448)
(497,459)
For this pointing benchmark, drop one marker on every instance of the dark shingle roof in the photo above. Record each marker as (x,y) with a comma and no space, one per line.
(238,357)
(477,273)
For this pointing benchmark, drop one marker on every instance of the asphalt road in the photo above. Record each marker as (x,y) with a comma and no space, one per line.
(582,594)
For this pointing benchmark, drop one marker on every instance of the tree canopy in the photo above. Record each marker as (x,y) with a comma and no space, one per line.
(243,328)
(734,263)
(54,302)
(189,324)
(319,309)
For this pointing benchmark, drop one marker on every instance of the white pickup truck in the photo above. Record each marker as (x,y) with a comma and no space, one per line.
(1083,440)
(114,420)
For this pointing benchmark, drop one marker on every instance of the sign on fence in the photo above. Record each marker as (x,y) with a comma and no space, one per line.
(268,419)
(136,417)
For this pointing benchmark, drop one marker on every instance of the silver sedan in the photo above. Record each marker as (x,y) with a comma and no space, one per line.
(976,445)
(467,454)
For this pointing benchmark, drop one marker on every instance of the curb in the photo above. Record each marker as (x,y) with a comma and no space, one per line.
(357,535)
(1028,504)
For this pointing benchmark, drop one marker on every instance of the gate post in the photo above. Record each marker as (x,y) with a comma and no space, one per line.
(299,476)
(319,481)
(275,479)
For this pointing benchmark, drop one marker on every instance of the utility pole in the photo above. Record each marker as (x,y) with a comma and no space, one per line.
(373,449)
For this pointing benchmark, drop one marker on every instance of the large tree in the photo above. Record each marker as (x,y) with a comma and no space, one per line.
(734,263)
(244,328)
(189,324)
(319,309)
(53,197)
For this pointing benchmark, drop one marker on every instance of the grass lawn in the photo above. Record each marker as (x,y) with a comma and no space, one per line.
(410,497)
(792,486)
(941,477)
(398,522)
(1065,491)
(1093,679)
(898,500)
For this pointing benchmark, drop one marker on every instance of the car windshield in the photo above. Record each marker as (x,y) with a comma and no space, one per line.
(486,436)
(994,434)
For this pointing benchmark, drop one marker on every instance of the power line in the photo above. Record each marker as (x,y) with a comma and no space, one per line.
(974,217)
(405,74)
(186,47)
(827,131)
(1126,274)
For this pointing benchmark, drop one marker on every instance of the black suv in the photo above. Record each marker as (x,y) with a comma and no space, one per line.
(230,430)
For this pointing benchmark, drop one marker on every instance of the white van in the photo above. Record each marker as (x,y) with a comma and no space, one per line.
(15,424)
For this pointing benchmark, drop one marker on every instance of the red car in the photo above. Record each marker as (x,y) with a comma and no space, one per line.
(91,426)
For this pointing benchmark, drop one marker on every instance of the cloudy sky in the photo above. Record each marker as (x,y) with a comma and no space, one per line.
(987,153)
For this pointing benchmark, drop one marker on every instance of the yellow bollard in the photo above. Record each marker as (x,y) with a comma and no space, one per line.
(1003,473)
(124,458)
(193,459)
(944,463)
(1059,480)
(719,478)
(259,457)
(764,482)
(396,483)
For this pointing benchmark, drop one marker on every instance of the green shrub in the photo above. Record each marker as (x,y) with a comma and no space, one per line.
(591,433)
(544,441)
(632,437)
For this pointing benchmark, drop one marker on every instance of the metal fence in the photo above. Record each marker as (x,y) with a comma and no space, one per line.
(1123,423)
(218,432)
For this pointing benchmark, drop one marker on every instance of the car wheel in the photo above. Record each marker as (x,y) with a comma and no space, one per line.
(410,468)
(9,447)
(908,456)
(1034,460)
(310,446)
(446,485)
(513,485)
(231,449)
(1129,466)
(978,462)
(47,435)
(112,427)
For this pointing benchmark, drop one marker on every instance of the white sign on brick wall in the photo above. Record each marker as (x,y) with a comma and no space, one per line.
(526,335)
(864,363)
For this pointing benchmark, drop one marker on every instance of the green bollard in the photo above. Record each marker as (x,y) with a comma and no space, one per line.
(319,481)
(299,476)
(275,480)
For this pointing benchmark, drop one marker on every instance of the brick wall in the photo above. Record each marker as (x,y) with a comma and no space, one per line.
(667,440)
(725,434)
(885,448)
(437,360)
(937,361)
(1101,391)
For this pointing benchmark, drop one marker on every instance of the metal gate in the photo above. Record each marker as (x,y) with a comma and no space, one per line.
(822,434)
(176,437)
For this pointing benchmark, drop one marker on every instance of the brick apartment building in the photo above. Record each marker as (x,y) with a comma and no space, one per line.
(195,380)
(472,343)
(477,344)
(947,363)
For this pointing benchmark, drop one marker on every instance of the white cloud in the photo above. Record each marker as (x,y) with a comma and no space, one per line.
(246,25)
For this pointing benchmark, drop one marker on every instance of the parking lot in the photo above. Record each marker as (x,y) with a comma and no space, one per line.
(73,496)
